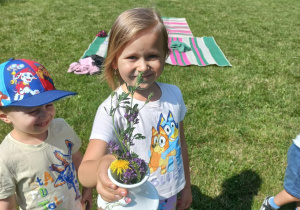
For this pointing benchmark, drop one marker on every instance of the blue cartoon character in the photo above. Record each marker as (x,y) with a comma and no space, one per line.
(171,128)
(66,170)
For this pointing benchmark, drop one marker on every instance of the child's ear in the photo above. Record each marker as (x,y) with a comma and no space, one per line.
(4,117)
(114,65)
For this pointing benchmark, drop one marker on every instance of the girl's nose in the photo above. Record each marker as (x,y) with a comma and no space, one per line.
(142,66)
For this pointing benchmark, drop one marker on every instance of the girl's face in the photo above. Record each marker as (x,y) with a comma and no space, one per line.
(31,121)
(143,54)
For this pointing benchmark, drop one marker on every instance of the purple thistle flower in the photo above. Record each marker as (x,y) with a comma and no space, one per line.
(126,115)
(113,147)
(129,175)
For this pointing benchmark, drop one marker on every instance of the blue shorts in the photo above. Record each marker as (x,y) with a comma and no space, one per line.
(292,172)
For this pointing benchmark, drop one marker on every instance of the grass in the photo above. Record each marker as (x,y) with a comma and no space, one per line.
(240,121)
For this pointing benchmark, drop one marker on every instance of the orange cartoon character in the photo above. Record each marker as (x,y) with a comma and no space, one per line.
(159,144)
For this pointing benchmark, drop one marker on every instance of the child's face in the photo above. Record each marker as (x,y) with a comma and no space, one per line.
(31,121)
(144,54)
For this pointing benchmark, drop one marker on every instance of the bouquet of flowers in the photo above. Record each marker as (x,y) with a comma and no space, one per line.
(128,168)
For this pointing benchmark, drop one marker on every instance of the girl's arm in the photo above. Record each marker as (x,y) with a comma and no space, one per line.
(8,203)
(186,194)
(87,193)
(93,171)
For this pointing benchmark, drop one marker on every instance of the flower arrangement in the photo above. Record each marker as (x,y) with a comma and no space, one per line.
(128,168)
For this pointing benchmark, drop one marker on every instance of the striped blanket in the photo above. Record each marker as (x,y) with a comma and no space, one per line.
(177,27)
(203,50)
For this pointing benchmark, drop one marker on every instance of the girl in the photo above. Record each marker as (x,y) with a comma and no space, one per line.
(138,42)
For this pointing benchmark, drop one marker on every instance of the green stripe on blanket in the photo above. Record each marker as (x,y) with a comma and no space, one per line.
(97,47)
(204,51)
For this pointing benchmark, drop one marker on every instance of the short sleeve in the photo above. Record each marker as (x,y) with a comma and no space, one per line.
(175,91)
(62,126)
(183,108)
(103,127)
(7,183)
(75,139)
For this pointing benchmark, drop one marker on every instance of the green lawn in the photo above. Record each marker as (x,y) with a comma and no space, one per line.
(241,119)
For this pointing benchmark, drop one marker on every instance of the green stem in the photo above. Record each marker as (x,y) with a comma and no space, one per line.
(120,140)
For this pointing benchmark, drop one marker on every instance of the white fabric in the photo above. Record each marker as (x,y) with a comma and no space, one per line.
(171,101)
(297,141)
(42,176)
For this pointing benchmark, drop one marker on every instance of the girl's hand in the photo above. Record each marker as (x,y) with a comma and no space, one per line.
(186,198)
(108,190)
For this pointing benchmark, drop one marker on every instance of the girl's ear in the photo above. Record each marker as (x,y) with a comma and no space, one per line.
(114,64)
(4,117)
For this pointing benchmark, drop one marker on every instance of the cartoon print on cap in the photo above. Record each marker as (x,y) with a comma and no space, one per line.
(22,87)
(44,75)
(3,97)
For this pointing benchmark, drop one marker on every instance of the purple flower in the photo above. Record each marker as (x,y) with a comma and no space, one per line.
(113,147)
(129,175)
(132,117)
(126,115)
(126,137)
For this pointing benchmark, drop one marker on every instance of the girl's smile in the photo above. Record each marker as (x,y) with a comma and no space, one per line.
(143,54)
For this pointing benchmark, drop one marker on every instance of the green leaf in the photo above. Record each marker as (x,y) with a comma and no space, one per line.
(139,79)
(139,136)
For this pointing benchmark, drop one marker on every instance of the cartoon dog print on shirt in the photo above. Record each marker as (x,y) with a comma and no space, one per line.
(171,128)
(159,144)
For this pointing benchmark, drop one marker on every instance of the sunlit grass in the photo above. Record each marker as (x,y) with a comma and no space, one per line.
(240,120)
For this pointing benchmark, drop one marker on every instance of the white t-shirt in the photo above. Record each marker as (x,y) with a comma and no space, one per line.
(42,175)
(297,141)
(164,114)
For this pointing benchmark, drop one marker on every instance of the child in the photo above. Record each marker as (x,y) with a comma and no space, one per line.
(138,42)
(40,156)
(291,191)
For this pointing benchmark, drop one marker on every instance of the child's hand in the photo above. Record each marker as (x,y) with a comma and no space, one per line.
(186,198)
(108,190)
(87,198)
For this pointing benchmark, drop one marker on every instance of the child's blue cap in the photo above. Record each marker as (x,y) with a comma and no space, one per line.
(27,83)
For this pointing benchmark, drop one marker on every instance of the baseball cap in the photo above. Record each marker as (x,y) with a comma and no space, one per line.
(27,83)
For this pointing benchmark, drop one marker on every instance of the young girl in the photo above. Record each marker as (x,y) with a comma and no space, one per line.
(138,42)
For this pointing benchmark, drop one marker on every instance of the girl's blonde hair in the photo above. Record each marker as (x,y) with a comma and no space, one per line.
(126,27)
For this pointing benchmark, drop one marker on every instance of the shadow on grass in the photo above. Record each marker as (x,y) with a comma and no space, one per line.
(237,193)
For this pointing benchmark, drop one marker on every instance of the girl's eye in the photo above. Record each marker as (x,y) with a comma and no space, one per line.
(132,58)
(153,56)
